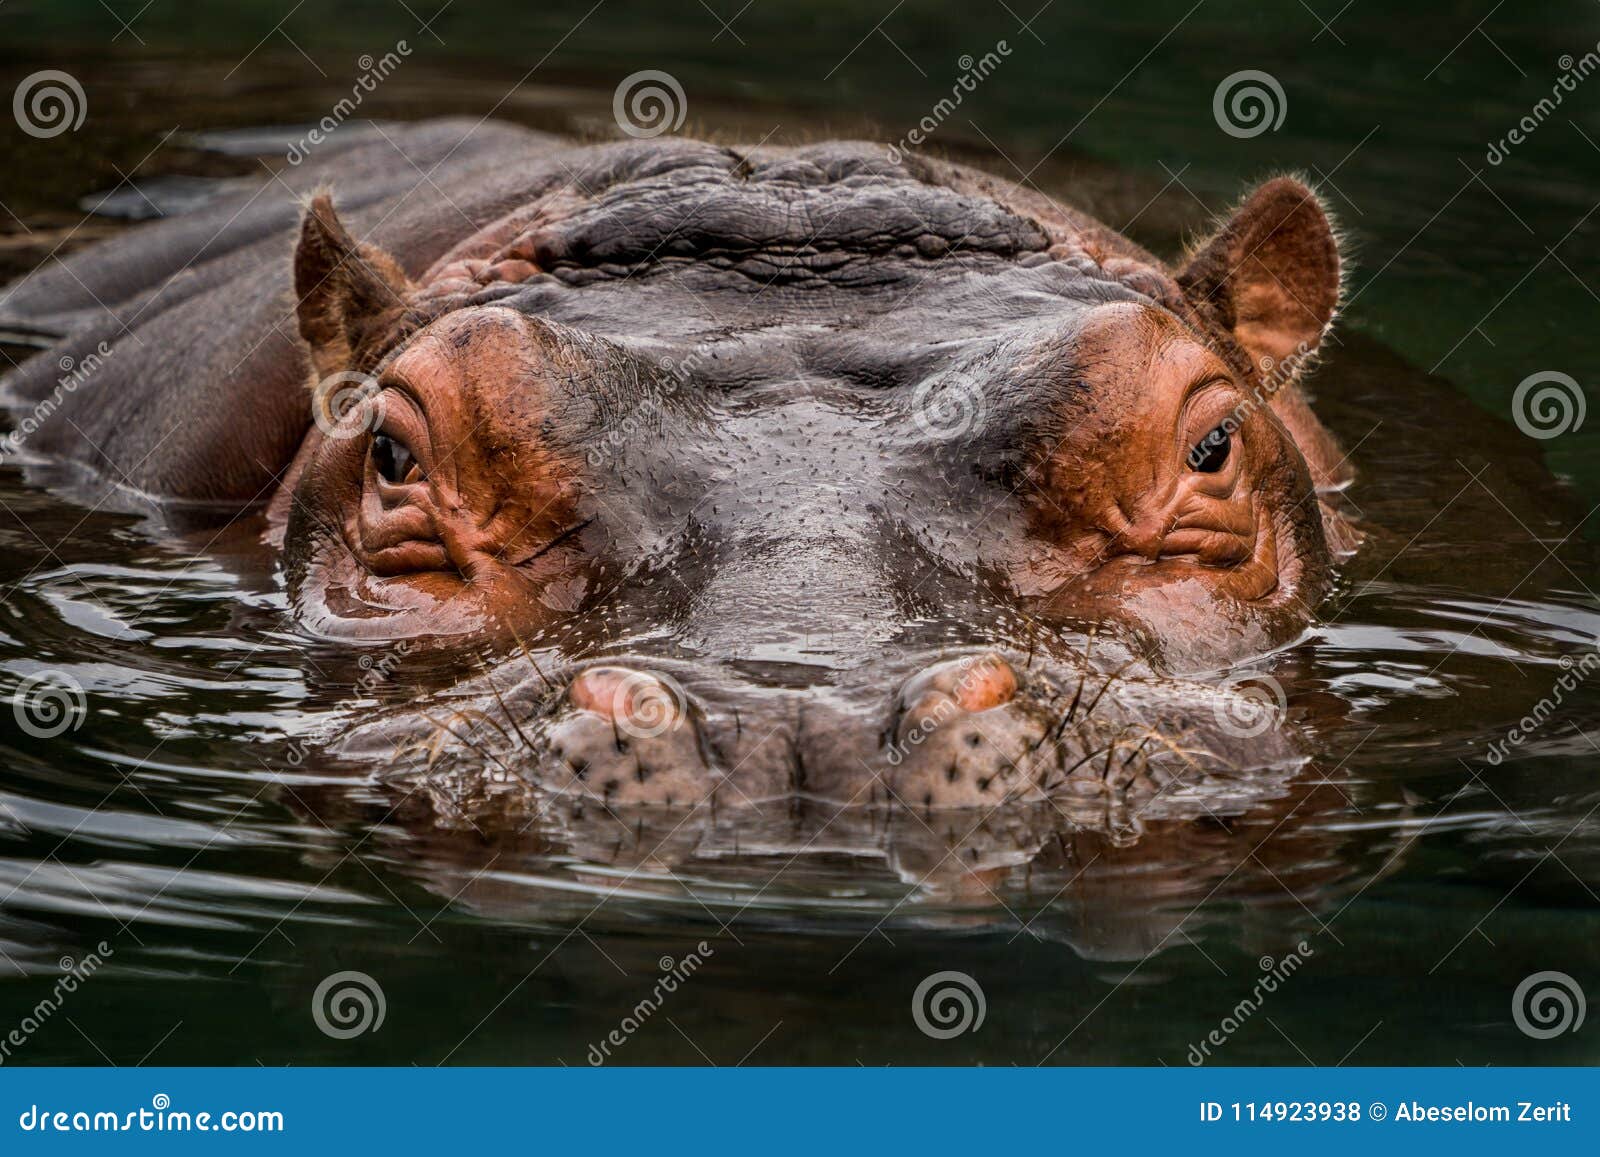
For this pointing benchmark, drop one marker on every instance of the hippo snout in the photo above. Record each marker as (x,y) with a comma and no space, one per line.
(979,729)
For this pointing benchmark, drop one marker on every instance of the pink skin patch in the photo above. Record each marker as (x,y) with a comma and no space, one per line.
(990,683)
(624,697)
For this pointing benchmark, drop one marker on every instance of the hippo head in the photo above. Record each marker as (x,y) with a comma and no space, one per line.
(805,472)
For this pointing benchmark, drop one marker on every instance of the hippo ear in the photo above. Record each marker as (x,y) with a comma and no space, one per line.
(1270,277)
(346,291)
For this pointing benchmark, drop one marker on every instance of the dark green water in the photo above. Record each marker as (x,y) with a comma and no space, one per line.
(228,880)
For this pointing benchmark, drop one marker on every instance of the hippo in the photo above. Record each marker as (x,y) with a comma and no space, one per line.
(679,474)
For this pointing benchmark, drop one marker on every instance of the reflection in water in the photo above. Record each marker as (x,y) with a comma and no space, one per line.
(1114,894)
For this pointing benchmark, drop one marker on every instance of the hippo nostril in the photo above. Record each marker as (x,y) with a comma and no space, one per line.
(989,682)
(974,683)
(961,738)
(629,737)
(640,704)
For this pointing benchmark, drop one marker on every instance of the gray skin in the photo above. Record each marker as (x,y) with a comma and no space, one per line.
(832,477)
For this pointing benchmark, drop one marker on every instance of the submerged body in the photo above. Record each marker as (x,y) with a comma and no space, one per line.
(753,474)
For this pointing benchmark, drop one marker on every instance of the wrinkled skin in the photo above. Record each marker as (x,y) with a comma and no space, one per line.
(790,472)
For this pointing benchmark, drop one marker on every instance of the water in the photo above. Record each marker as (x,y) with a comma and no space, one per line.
(228,872)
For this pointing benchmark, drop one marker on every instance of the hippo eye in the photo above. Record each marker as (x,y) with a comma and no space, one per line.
(393,460)
(1210,454)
